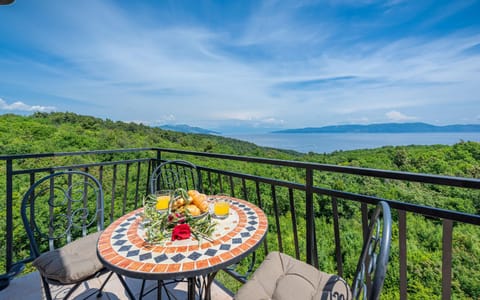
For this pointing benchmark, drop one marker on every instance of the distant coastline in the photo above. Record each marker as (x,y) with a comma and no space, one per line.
(330,142)
(339,129)
(385,128)
(188,129)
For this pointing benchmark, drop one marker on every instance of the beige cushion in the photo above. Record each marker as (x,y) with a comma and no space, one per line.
(73,262)
(281,277)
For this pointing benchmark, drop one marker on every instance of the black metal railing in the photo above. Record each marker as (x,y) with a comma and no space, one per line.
(305,208)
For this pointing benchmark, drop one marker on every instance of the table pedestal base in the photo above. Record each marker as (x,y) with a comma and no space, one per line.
(197,288)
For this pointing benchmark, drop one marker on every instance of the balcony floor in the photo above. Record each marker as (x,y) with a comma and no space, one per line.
(29,287)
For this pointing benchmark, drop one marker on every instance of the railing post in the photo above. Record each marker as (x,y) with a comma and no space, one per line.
(151,166)
(159,157)
(336,231)
(311,255)
(447,259)
(9,221)
(402,241)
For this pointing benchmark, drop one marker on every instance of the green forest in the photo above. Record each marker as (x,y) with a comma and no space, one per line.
(69,132)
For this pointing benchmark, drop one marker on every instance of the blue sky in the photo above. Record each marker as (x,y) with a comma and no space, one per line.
(243,65)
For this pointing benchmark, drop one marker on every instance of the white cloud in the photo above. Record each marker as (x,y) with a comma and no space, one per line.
(140,122)
(273,121)
(397,116)
(20,106)
(166,119)
(125,68)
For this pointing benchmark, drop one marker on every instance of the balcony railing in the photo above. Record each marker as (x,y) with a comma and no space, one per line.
(306,207)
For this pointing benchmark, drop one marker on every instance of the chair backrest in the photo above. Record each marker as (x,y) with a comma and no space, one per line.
(173,174)
(372,265)
(60,208)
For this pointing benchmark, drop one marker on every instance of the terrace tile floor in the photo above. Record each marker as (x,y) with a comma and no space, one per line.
(29,287)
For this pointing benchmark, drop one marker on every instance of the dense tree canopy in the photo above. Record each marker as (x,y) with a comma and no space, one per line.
(63,132)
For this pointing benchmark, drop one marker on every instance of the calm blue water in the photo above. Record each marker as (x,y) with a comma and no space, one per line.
(329,142)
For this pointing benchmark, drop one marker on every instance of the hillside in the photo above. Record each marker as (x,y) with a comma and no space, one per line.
(63,132)
(54,132)
(188,129)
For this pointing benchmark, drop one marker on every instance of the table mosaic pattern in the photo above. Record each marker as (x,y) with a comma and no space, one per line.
(122,247)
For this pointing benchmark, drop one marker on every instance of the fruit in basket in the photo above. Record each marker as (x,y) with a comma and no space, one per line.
(193,209)
(193,193)
(199,199)
(178,203)
(192,202)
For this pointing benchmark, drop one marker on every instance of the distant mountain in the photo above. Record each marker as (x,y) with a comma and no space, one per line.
(188,129)
(385,128)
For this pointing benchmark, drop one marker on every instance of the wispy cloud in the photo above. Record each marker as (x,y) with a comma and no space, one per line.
(285,64)
(19,106)
(398,116)
(312,84)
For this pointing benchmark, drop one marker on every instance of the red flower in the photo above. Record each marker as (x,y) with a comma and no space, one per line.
(181,232)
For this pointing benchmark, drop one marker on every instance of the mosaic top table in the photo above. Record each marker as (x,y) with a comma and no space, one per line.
(123,249)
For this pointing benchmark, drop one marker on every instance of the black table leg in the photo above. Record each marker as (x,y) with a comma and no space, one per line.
(209,278)
(204,285)
(191,288)
(159,289)
(129,292)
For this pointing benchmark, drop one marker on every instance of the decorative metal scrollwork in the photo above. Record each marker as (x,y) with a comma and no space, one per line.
(369,260)
(64,207)
(167,179)
(372,265)
(174,174)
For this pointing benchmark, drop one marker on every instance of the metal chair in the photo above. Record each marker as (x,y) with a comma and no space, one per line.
(283,277)
(372,265)
(63,216)
(173,174)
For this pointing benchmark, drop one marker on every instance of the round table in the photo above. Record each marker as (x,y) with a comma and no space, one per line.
(123,249)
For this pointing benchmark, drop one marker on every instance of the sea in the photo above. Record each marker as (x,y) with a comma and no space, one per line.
(330,142)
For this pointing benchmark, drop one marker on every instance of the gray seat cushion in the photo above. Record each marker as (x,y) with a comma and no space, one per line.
(281,277)
(73,262)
